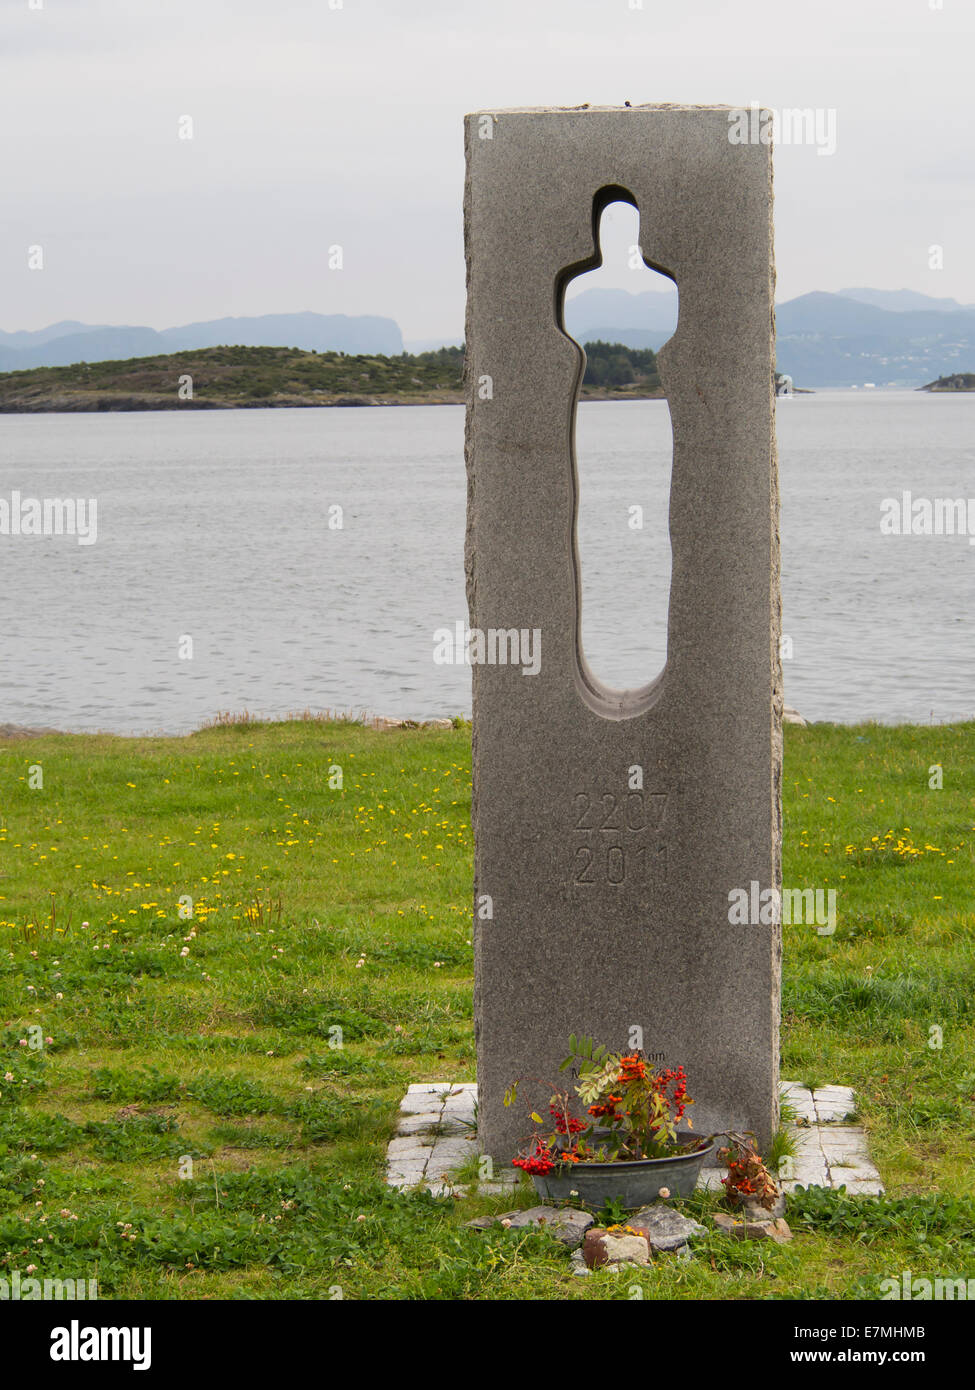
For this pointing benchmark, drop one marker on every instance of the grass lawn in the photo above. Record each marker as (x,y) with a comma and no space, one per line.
(175,1121)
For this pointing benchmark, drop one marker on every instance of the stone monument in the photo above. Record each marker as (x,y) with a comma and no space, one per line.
(611,825)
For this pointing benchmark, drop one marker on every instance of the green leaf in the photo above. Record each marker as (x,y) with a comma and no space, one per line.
(596,1079)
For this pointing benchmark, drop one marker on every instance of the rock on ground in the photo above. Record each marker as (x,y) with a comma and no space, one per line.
(601,1248)
(664,1228)
(754,1211)
(777,1230)
(564,1223)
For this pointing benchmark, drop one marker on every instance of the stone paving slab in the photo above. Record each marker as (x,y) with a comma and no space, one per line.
(436,1135)
(834,1104)
(829,1152)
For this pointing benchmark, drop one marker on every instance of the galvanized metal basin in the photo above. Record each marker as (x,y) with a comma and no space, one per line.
(633,1184)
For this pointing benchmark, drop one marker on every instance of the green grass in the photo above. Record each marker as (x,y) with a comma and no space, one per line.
(193,1112)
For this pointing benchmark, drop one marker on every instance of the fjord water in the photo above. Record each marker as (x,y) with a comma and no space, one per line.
(214,525)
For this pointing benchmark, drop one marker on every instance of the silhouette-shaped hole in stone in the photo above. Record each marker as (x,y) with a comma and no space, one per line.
(623,459)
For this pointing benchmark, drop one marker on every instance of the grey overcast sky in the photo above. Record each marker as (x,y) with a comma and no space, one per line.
(316,125)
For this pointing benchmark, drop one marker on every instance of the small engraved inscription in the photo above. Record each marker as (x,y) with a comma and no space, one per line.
(618,838)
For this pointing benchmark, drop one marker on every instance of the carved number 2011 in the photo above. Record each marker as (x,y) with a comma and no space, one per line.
(612,863)
(615,865)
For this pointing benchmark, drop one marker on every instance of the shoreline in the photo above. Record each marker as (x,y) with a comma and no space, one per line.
(17,733)
(81,404)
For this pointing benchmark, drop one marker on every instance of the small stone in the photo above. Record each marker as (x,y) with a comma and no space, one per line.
(664,1228)
(754,1211)
(592,1251)
(602,1247)
(752,1230)
(565,1224)
(579,1266)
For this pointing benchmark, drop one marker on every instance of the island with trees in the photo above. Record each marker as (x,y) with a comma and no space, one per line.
(958,381)
(225,378)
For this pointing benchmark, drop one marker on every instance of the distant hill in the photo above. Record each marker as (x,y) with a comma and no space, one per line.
(64,329)
(635,338)
(901,301)
(62,344)
(313,332)
(431,344)
(87,345)
(830,340)
(638,321)
(891,337)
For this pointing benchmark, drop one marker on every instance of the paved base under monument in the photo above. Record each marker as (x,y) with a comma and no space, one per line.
(437,1135)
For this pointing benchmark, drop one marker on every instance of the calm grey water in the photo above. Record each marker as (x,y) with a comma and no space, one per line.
(215,526)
